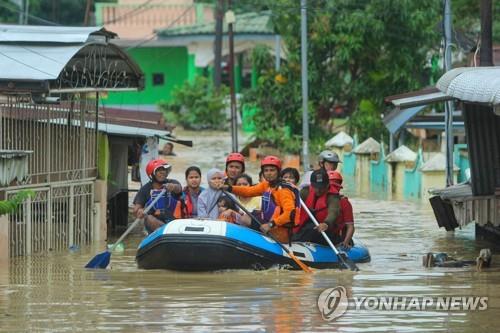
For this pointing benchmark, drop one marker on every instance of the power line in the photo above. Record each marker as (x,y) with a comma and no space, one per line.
(145,40)
(36,18)
(133,12)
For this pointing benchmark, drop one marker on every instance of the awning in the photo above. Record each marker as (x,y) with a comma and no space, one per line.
(130,131)
(395,120)
(44,60)
(472,84)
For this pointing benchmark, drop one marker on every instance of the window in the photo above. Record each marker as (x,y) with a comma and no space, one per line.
(158,79)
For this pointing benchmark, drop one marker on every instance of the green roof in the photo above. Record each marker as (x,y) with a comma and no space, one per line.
(246,24)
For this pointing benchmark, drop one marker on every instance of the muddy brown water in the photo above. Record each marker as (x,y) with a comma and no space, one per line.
(54,293)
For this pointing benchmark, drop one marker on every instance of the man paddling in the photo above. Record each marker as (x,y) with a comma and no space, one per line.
(163,211)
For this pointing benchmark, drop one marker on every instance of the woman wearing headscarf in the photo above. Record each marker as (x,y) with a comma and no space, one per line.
(207,201)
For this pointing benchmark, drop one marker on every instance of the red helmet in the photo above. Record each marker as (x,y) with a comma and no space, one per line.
(335,176)
(156,164)
(236,157)
(271,160)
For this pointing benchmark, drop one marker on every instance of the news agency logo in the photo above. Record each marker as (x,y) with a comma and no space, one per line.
(333,303)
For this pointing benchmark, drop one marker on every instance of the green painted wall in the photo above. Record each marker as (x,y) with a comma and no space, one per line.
(173,62)
(103,156)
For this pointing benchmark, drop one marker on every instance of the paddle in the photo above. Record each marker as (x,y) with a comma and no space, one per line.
(102,259)
(303,266)
(348,263)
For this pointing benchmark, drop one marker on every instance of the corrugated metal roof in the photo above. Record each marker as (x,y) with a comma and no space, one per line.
(130,131)
(339,140)
(121,130)
(51,34)
(402,154)
(35,62)
(250,23)
(368,146)
(453,192)
(472,84)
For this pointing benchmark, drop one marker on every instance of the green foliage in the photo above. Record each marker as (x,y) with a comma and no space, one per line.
(11,205)
(197,106)
(467,18)
(357,50)
(366,122)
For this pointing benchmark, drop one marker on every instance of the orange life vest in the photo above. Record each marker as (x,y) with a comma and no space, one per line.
(184,207)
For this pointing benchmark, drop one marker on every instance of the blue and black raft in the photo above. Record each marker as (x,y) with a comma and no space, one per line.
(208,245)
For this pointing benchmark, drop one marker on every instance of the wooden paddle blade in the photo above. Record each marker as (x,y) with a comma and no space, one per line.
(303,266)
(348,263)
(100,261)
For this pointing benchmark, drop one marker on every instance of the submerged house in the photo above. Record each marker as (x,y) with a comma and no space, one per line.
(50,82)
(476,90)
(478,200)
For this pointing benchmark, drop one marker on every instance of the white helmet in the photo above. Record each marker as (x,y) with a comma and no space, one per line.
(329,156)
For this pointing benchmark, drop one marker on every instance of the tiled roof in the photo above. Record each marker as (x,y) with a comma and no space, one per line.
(250,23)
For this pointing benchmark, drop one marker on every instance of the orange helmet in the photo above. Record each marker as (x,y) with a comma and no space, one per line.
(271,160)
(335,176)
(236,157)
(156,164)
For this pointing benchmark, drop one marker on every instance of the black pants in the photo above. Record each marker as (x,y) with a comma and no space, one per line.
(309,234)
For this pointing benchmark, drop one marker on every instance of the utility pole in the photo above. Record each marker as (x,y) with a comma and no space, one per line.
(86,19)
(448,116)
(305,116)
(230,19)
(219,13)
(486,51)
(26,11)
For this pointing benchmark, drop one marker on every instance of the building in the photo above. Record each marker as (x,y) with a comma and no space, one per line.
(50,84)
(175,53)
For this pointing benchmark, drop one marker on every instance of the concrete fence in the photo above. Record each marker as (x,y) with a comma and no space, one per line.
(402,173)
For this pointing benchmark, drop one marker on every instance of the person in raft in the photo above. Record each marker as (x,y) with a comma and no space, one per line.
(163,210)
(343,229)
(235,166)
(188,206)
(280,209)
(228,211)
(327,160)
(207,201)
(330,209)
(290,176)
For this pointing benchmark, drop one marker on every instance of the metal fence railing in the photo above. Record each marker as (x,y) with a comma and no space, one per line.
(55,218)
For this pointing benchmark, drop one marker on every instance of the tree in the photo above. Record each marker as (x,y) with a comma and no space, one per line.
(466,17)
(359,50)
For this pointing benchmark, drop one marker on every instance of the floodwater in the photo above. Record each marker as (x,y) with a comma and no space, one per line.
(55,293)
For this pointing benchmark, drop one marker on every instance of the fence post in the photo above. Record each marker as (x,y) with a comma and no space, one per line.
(100,206)
(71,229)
(4,238)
